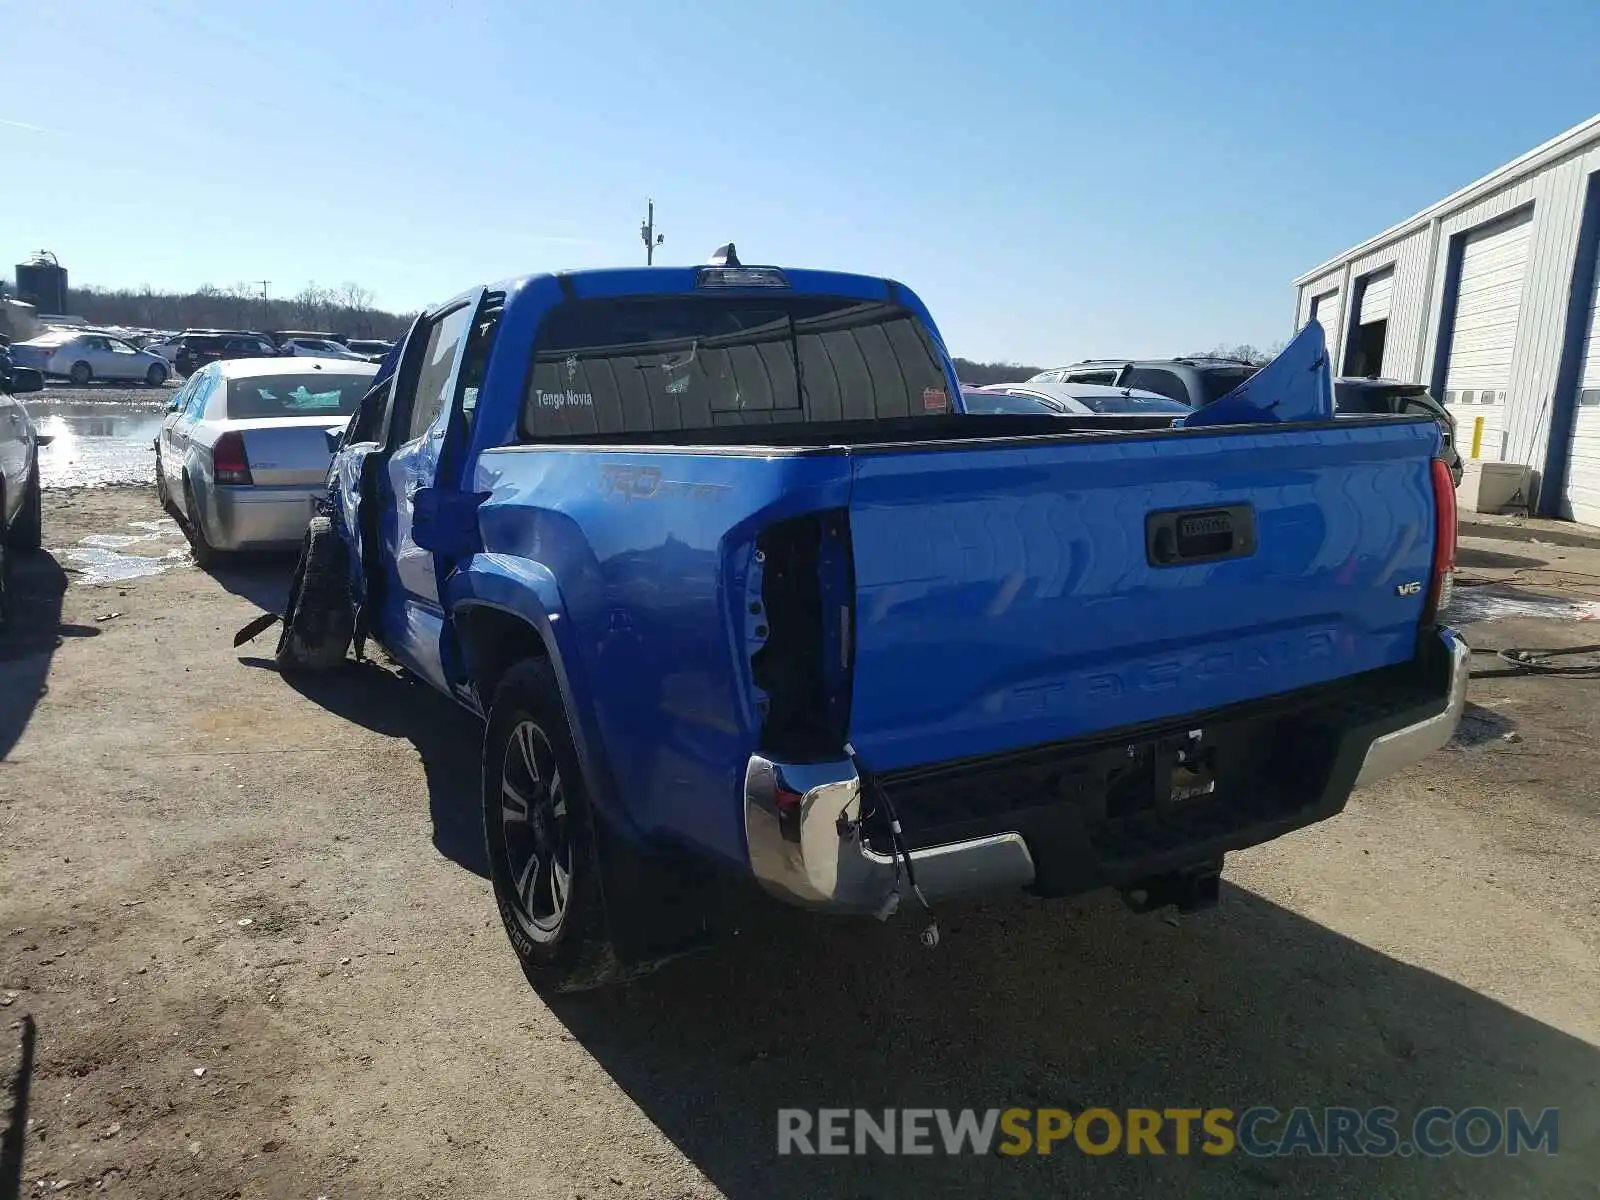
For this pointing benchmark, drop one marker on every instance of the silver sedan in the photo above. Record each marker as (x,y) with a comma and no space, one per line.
(244,448)
(81,357)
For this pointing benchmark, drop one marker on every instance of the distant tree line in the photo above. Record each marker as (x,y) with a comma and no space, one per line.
(980,373)
(346,309)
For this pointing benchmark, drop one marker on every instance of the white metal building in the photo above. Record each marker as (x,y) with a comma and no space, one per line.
(1492,298)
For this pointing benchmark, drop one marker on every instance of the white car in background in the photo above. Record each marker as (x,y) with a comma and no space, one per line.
(1070,400)
(300,347)
(244,448)
(81,356)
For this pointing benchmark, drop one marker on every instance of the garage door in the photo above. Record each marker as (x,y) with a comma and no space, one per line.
(1484,335)
(1325,310)
(1375,298)
(1363,355)
(1582,499)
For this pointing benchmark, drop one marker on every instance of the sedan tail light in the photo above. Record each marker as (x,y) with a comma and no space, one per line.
(228,461)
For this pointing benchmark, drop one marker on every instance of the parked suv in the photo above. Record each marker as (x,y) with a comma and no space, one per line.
(1192,381)
(1364,397)
(196,348)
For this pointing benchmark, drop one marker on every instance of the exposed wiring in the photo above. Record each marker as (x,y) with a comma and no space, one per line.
(869,781)
(1516,576)
(1536,662)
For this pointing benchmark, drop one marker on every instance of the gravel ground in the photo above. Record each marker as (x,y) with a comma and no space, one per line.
(250,918)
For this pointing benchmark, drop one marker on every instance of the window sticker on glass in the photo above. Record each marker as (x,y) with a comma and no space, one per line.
(935,400)
(302,398)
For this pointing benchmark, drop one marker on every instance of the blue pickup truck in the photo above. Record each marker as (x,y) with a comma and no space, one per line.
(743,595)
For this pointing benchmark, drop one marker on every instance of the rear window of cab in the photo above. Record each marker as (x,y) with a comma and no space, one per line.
(686,363)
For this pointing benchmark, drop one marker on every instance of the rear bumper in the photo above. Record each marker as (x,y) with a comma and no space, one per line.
(793,815)
(806,848)
(1411,743)
(260,518)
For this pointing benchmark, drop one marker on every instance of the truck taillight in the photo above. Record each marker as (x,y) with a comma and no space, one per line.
(1444,543)
(228,461)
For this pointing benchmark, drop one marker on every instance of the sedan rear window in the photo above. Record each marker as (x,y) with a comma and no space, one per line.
(312,394)
(685,363)
(1005,402)
(1134,404)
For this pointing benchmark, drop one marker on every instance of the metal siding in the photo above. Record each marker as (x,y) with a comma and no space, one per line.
(1309,295)
(1326,310)
(1419,252)
(1546,302)
(1581,139)
(1580,498)
(1407,264)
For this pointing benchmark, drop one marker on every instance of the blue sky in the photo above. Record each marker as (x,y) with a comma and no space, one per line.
(1055,181)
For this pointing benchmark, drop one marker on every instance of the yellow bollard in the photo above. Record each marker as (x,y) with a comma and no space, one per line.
(1477,435)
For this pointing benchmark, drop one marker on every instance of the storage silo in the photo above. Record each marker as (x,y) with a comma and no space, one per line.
(42,282)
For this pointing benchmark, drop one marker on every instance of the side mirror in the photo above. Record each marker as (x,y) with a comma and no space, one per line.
(335,439)
(446,522)
(25,380)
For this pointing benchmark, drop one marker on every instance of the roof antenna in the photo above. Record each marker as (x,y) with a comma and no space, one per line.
(725,256)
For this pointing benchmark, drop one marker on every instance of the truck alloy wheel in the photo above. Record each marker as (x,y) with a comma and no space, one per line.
(541,837)
(535,830)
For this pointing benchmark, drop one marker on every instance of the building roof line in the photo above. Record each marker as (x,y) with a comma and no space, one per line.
(1534,160)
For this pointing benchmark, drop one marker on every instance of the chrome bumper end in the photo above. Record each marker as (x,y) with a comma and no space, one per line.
(804,848)
(1395,751)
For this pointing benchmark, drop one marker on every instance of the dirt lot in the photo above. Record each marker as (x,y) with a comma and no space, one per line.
(251,921)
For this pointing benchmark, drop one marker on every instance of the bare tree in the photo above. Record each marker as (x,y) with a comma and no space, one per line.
(1243,352)
(310,306)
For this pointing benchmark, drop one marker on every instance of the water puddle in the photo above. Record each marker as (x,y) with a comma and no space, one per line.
(96,443)
(96,565)
(103,557)
(1486,604)
(115,541)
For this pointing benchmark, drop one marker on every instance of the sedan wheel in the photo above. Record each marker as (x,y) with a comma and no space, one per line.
(156,375)
(81,373)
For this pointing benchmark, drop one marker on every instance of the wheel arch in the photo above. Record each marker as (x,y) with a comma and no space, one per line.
(494,639)
(503,610)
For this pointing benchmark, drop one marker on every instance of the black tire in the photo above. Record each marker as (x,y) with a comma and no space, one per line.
(163,495)
(81,373)
(205,554)
(5,574)
(26,534)
(569,949)
(318,622)
(156,375)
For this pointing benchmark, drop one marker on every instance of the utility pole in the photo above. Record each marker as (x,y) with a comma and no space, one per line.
(647,232)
